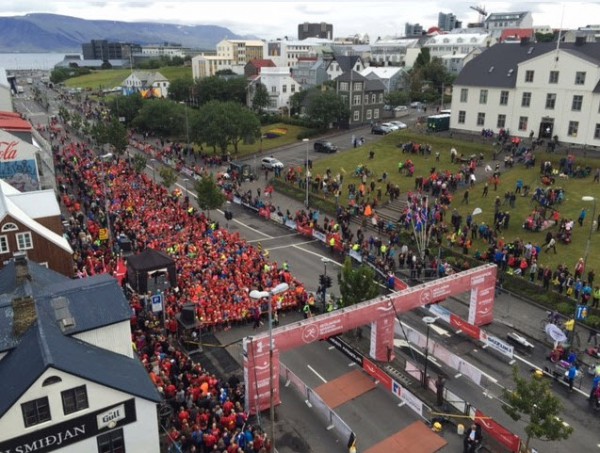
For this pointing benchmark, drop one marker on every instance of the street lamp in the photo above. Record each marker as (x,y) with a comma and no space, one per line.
(257,295)
(305,140)
(429,320)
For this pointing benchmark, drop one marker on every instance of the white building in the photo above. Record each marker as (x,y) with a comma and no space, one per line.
(70,380)
(390,76)
(395,52)
(532,87)
(232,54)
(163,50)
(287,53)
(149,84)
(279,84)
(6,104)
(495,23)
(447,44)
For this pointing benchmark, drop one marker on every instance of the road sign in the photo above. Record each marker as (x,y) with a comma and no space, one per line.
(581,312)
(157,303)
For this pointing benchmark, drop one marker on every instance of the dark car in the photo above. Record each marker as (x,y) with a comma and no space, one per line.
(380,130)
(323,146)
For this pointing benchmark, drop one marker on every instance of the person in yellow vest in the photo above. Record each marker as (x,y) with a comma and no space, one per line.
(329,306)
(569,325)
(306,311)
(596,297)
(383,249)
(356,247)
(332,244)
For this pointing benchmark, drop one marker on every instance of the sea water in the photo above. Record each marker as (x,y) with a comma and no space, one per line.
(30,61)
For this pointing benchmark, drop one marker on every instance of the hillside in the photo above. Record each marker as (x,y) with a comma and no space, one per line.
(55,33)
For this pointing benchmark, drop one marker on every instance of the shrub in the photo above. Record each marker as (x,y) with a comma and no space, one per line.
(593,321)
(565,308)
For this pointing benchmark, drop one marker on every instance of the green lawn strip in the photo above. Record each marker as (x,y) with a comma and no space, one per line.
(111,78)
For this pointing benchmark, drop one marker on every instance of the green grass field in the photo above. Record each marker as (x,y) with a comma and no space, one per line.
(387,156)
(111,78)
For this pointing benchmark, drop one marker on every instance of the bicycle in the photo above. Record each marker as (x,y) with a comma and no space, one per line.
(551,318)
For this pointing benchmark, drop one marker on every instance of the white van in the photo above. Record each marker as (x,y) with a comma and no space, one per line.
(446,112)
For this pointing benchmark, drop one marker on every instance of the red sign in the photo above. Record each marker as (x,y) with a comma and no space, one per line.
(382,336)
(481,308)
(8,150)
(498,432)
(468,329)
(377,373)
(399,285)
(257,375)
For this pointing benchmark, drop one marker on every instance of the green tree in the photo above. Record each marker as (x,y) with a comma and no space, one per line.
(260,98)
(221,89)
(181,89)
(126,107)
(112,133)
(297,100)
(533,398)
(168,176)
(544,37)
(163,117)
(64,114)
(139,163)
(396,98)
(326,107)
(210,196)
(357,285)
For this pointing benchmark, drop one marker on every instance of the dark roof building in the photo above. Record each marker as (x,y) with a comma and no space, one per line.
(363,96)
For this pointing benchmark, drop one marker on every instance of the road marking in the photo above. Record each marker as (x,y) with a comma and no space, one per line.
(317,374)
(439,330)
(273,238)
(293,245)
(317,254)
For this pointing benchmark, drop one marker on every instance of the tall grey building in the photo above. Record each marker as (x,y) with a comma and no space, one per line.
(448,22)
(315,30)
(413,29)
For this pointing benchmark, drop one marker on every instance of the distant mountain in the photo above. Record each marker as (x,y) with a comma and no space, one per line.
(55,33)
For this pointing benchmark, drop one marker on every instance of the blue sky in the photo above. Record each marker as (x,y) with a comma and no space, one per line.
(276,19)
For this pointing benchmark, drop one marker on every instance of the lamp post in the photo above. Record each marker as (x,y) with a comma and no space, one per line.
(305,140)
(258,295)
(429,320)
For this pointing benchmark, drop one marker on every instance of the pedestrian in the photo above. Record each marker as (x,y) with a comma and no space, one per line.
(595,385)
(596,297)
(437,156)
(256,317)
(581,218)
(571,375)
(472,439)
(439,389)
(533,270)
(597,175)
(466,197)
(551,245)
(486,188)
(258,192)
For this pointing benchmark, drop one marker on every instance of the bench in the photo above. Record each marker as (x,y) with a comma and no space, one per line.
(520,342)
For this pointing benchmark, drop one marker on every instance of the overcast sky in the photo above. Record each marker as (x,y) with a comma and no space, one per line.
(276,19)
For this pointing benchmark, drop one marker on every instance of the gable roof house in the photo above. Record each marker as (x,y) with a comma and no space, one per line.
(280,85)
(148,84)
(253,67)
(70,380)
(341,64)
(30,222)
(392,77)
(532,87)
(363,96)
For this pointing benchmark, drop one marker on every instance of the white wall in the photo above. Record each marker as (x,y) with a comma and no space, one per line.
(116,338)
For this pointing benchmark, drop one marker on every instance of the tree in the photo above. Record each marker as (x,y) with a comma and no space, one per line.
(163,117)
(210,196)
(533,397)
(261,98)
(220,89)
(326,107)
(168,176)
(112,133)
(139,163)
(357,285)
(181,89)
(126,107)
(396,98)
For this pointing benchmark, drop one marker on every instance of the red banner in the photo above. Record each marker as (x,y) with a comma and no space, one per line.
(382,337)
(399,285)
(257,375)
(377,373)
(483,293)
(305,231)
(498,432)
(468,329)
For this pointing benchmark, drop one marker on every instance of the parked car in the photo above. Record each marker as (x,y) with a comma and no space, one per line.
(399,124)
(390,126)
(380,130)
(417,105)
(400,108)
(324,146)
(271,163)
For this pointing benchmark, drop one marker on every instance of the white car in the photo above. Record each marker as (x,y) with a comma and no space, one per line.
(391,126)
(399,124)
(270,163)
(400,108)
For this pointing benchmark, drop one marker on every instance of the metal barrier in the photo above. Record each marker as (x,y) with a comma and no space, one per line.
(314,401)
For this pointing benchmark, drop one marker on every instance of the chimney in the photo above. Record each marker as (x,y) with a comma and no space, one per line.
(21,267)
(24,315)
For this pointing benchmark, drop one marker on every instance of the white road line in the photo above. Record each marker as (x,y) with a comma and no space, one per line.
(273,238)
(317,254)
(532,365)
(291,245)
(317,374)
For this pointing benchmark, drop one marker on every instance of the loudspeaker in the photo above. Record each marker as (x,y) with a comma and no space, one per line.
(188,314)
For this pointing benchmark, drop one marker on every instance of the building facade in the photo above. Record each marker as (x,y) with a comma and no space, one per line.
(310,72)
(448,22)
(315,30)
(364,97)
(288,53)
(149,84)
(495,23)
(102,49)
(280,85)
(532,87)
(413,30)
(395,52)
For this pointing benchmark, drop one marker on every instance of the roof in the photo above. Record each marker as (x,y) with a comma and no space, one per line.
(44,346)
(346,62)
(14,123)
(149,259)
(37,204)
(513,15)
(148,78)
(10,208)
(262,63)
(353,76)
(516,33)
(492,67)
(385,72)
(93,302)
(458,38)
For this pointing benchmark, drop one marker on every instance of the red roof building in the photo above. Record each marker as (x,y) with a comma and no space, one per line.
(516,34)
(253,67)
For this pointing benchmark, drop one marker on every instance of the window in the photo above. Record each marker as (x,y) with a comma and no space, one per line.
(526,100)
(375,114)
(550,101)
(74,400)
(463,94)
(373,98)
(284,89)
(504,97)
(580,78)
(480,119)
(573,127)
(36,411)
(501,123)
(24,241)
(4,248)
(51,380)
(366,101)
(358,86)
(529,76)
(553,77)
(369,114)
(293,88)
(356,115)
(597,131)
(344,86)
(522,123)
(462,116)
(483,94)
(356,99)
(111,442)
(577,101)
(273,90)
(9,227)
(381,98)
